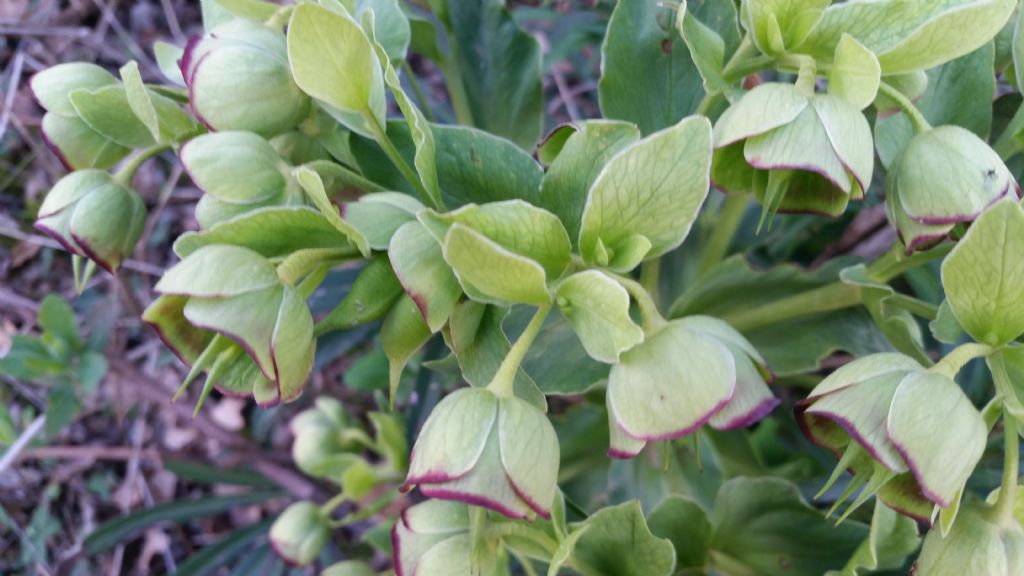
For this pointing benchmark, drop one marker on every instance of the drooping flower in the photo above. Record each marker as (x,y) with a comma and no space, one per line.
(694,371)
(497,452)
(239,79)
(944,177)
(433,538)
(300,533)
(921,432)
(976,544)
(93,215)
(795,152)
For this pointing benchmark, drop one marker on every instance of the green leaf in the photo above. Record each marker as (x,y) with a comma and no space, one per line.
(490,272)
(218,271)
(390,26)
(777,26)
(167,56)
(474,166)
(8,434)
(762,526)
(62,404)
(948,98)
(217,555)
(52,87)
(571,173)
(58,319)
(651,189)
(215,475)
(499,66)
(139,99)
(421,268)
(271,232)
(617,542)
(980,273)
(403,333)
(892,538)
(333,61)
(909,36)
(372,295)
(598,309)
(119,530)
(648,76)
(855,73)
(107,111)
(686,525)
(314,187)
(1018,50)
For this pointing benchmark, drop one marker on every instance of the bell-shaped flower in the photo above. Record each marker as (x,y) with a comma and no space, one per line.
(93,215)
(944,177)
(918,427)
(236,293)
(977,544)
(238,78)
(796,152)
(691,372)
(300,533)
(325,442)
(499,452)
(238,172)
(433,538)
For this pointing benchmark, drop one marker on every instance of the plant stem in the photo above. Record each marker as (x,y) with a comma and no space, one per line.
(893,263)
(526,532)
(504,380)
(951,363)
(915,306)
(125,174)
(381,136)
(652,319)
(1004,506)
(917,120)
(730,216)
(331,505)
(650,272)
(453,81)
(835,296)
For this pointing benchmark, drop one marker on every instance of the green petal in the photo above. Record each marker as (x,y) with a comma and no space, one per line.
(453,437)
(764,108)
(529,453)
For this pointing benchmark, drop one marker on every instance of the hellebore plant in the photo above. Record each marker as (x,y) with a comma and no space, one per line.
(538,304)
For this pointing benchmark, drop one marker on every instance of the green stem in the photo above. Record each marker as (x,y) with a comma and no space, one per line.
(827,298)
(915,306)
(650,272)
(381,136)
(456,89)
(652,318)
(504,380)
(505,529)
(917,120)
(417,91)
(125,174)
(951,363)
(1004,506)
(1009,144)
(730,216)
(331,505)
(893,263)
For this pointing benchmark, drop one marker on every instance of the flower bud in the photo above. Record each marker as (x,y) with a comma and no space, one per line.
(323,446)
(53,86)
(975,545)
(432,538)
(918,426)
(943,177)
(236,293)
(93,215)
(300,533)
(238,79)
(795,152)
(497,452)
(692,372)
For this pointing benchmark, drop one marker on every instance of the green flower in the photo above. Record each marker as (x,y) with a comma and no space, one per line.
(300,533)
(692,372)
(93,215)
(433,538)
(795,152)
(238,78)
(944,177)
(975,545)
(497,452)
(912,434)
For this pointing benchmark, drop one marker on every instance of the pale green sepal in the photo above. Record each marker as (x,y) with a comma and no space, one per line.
(488,269)
(751,401)
(764,108)
(314,187)
(300,533)
(379,215)
(779,25)
(292,345)
(420,266)
(167,56)
(218,271)
(939,433)
(597,307)
(947,516)
(620,444)
(454,436)
(707,49)
(978,276)
(671,384)
(529,452)
(653,188)
(975,545)
(139,99)
(864,368)
(803,144)
(855,73)
(850,136)
(723,331)
(234,167)
(53,86)
(403,333)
